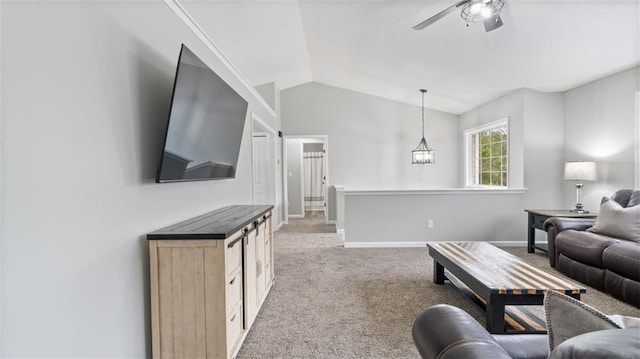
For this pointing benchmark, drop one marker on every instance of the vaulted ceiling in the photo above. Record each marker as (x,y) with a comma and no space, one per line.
(369,46)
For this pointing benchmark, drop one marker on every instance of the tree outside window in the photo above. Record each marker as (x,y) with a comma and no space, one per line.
(488,160)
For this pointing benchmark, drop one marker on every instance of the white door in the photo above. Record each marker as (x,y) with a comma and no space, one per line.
(261,159)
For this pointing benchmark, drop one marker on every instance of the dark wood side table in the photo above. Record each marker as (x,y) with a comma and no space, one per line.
(536,221)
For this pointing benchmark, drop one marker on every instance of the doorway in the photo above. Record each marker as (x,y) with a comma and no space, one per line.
(306,177)
(313,178)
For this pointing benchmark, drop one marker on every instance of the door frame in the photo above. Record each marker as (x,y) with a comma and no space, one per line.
(259,127)
(324,139)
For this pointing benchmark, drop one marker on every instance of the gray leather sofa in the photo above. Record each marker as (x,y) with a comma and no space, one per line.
(447,332)
(606,263)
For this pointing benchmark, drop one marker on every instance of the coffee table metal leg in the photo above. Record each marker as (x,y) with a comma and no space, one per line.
(438,273)
(495,318)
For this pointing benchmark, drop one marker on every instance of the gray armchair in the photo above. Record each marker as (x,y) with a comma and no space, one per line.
(447,332)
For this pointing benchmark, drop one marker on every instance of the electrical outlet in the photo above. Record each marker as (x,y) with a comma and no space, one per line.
(429,223)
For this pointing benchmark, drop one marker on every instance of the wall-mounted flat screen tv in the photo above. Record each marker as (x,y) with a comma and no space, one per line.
(205,126)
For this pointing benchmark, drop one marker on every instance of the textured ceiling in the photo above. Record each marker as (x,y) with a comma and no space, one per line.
(369,46)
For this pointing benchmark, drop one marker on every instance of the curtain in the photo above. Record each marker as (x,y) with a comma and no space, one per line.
(313,180)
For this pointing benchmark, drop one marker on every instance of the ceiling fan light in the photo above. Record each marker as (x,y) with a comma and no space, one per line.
(476,8)
(476,11)
(486,12)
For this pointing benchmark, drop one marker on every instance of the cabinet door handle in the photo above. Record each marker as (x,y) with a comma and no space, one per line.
(233,280)
(233,318)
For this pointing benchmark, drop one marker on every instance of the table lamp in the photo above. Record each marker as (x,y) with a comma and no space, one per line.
(580,171)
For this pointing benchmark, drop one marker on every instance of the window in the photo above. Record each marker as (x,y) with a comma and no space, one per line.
(488,155)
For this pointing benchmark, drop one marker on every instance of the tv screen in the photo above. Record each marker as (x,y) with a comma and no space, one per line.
(204,130)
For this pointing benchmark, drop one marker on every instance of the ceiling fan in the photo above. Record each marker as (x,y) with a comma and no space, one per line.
(486,11)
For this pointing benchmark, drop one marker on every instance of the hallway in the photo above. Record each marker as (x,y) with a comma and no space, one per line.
(313,222)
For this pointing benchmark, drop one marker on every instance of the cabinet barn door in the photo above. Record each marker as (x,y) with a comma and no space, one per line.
(260,263)
(250,295)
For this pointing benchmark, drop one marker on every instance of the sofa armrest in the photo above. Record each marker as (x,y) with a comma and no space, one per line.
(562,224)
(555,225)
(444,331)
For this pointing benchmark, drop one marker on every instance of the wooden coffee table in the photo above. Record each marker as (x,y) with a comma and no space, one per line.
(497,279)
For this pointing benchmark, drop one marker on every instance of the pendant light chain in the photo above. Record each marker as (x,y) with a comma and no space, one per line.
(423,91)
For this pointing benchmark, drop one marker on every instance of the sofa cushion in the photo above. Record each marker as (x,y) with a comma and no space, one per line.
(622,288)
(603,344)
(585,247)
(623,258)
(617,221)
(524,346)
(590,275)
(568,317)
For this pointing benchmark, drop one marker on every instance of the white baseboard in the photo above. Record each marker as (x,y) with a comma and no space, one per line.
(340,231)
(418,244)
(332,221)
(296,216)
(280,226)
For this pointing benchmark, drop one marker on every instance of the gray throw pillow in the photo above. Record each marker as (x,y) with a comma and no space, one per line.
(603,344)
(617,221)
(568,317)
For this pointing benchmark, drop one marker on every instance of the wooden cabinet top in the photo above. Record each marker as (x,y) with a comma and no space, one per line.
(219,224)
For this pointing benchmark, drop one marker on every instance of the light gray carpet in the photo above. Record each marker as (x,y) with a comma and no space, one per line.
(314,222)
(332,302)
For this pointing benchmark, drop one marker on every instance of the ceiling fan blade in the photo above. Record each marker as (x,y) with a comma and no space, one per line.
(492,23)
(439,15)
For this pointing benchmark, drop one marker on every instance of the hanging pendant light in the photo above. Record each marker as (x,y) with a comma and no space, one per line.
(423,153)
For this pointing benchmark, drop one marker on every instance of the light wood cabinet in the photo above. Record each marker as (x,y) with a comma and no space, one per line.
(208,279)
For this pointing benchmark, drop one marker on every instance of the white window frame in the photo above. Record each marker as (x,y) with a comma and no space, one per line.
(469,176)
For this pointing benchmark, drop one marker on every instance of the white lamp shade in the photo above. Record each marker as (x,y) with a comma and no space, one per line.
(580,171)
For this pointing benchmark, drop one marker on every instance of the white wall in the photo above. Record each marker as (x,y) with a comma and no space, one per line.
(85,94)
(535,142)
(599,125)
(271,94)
(2,204)
(370,138)
(397,218)
(592,122)
(535,146)
(543,141)
(511,106)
